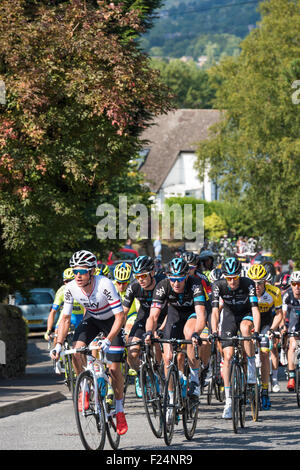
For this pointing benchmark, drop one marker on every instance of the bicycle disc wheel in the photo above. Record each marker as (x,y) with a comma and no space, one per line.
(151,399)
(190,413)
(235,396)
(111,426)
(170,404)
(90,421)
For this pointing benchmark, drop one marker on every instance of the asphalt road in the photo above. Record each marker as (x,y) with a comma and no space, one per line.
(53,427)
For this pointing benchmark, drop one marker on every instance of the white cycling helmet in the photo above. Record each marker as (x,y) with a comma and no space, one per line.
(295,276)
(83,258)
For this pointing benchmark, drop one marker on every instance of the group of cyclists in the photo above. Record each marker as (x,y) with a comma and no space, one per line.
(188,299)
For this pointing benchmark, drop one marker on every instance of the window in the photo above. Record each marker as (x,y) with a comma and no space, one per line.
(34,298)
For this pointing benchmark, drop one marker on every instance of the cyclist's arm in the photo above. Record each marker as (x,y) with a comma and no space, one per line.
(50,321)
(256,318)
(215,317)
(117,325)
(277,320)
(151,323)
(200,320)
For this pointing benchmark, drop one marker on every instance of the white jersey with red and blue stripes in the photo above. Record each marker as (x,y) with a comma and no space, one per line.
(102,303)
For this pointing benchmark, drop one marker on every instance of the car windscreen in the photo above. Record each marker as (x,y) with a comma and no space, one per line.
(34,298)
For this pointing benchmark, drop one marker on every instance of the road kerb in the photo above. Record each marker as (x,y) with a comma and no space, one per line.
(31,403)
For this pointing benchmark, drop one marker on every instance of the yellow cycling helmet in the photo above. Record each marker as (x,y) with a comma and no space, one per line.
(257,272)
(122,272)
(102,269)
(68,274)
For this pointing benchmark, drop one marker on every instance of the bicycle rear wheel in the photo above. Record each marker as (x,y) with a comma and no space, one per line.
(151,399)
(190,411)
(91,420)
(70,375)
(170,405)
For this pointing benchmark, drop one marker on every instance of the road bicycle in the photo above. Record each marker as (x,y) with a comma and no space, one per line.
(151,378)
(96,419)
(296,335)
(65,365)
(240,390)
(215,384)
(176,399)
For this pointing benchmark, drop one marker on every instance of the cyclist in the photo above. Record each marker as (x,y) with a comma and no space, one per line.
(270,279)
(240,311)
(122,275)
(183,295)
(104,313)
(193,261)
(269,297)
(205,265)
(141,289)
(291,311)
(104,270)
(77,312)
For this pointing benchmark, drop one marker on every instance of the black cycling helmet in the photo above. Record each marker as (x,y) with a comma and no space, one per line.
(142,264)
(190,257)
(177,267)
(206,254)
(271,272)
(231,266)
(215,274)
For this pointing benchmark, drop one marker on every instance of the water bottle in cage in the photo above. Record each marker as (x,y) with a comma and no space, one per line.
(99,371)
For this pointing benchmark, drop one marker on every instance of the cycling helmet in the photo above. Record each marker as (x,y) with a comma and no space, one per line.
(102,269)
(215,275)
(271,273)
(142,264)
(178,267)
(295,276)
(190,257)
(285,281)
(68,274)
(122,272)
(204,255)
(257,272)
(231,266)
(83,258)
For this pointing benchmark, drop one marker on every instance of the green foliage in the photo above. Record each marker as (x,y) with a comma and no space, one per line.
(189,27)
(79,92)
(190,85)
(254,153)
(214,226)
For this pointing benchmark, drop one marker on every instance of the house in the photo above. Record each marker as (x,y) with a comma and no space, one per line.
(168,157)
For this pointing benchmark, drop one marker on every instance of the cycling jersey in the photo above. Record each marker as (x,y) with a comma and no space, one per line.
(192,295)
(132,314)
(205,281)
(180,305)
(237,305)
(102,303)
(77,310)
(270,299)
(238,301)
(291,308)
(144,297)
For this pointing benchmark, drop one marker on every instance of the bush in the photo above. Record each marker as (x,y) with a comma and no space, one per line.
(13,331)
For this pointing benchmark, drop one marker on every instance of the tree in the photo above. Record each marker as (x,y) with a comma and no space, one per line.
(78,94)
(254,152)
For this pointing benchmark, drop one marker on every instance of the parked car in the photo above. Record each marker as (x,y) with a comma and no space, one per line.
(36,306)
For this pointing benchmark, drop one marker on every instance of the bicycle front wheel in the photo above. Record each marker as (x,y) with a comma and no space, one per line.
(89,413)
(70,375)
(253,393)
(151,399)
(170,405)
(190,411)
(111,425)
(235,395)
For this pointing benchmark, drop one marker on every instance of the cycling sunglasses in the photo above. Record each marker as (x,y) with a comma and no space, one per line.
(259,283)
(142,276)
(178,279)
(81,271)
(122,282)
(191,266)
(232,278)
(295,283)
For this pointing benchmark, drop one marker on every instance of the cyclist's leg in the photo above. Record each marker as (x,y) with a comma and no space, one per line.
(246,327)
(228,327)
(265,367)
(86,331)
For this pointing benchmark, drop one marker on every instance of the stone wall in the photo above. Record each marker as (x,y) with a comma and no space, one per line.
(13,331)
